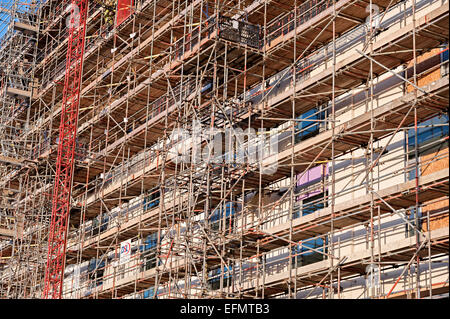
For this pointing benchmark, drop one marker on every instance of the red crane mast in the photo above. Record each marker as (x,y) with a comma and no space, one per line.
(54,272)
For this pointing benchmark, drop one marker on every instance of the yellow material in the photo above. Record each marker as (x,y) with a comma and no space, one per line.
(109,13)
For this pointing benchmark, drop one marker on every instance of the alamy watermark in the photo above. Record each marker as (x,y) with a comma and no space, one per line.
(73,19)
(209,145)
(374,15)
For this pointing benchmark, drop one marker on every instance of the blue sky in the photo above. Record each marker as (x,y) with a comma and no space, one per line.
(4,17)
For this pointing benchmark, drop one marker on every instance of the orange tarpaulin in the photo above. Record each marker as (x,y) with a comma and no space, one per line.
(124,10)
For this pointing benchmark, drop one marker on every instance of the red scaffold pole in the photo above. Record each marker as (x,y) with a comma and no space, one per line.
(54,272)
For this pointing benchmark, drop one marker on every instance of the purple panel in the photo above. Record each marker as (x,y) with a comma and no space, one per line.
(312,176)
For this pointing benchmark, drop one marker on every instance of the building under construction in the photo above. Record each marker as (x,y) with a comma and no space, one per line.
(224,149)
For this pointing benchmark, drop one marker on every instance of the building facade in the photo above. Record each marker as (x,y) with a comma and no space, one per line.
(231,149)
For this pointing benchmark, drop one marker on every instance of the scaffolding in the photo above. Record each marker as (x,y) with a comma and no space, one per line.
(229,149)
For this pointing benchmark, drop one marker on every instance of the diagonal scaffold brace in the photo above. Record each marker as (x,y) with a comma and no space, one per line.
(54,272)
